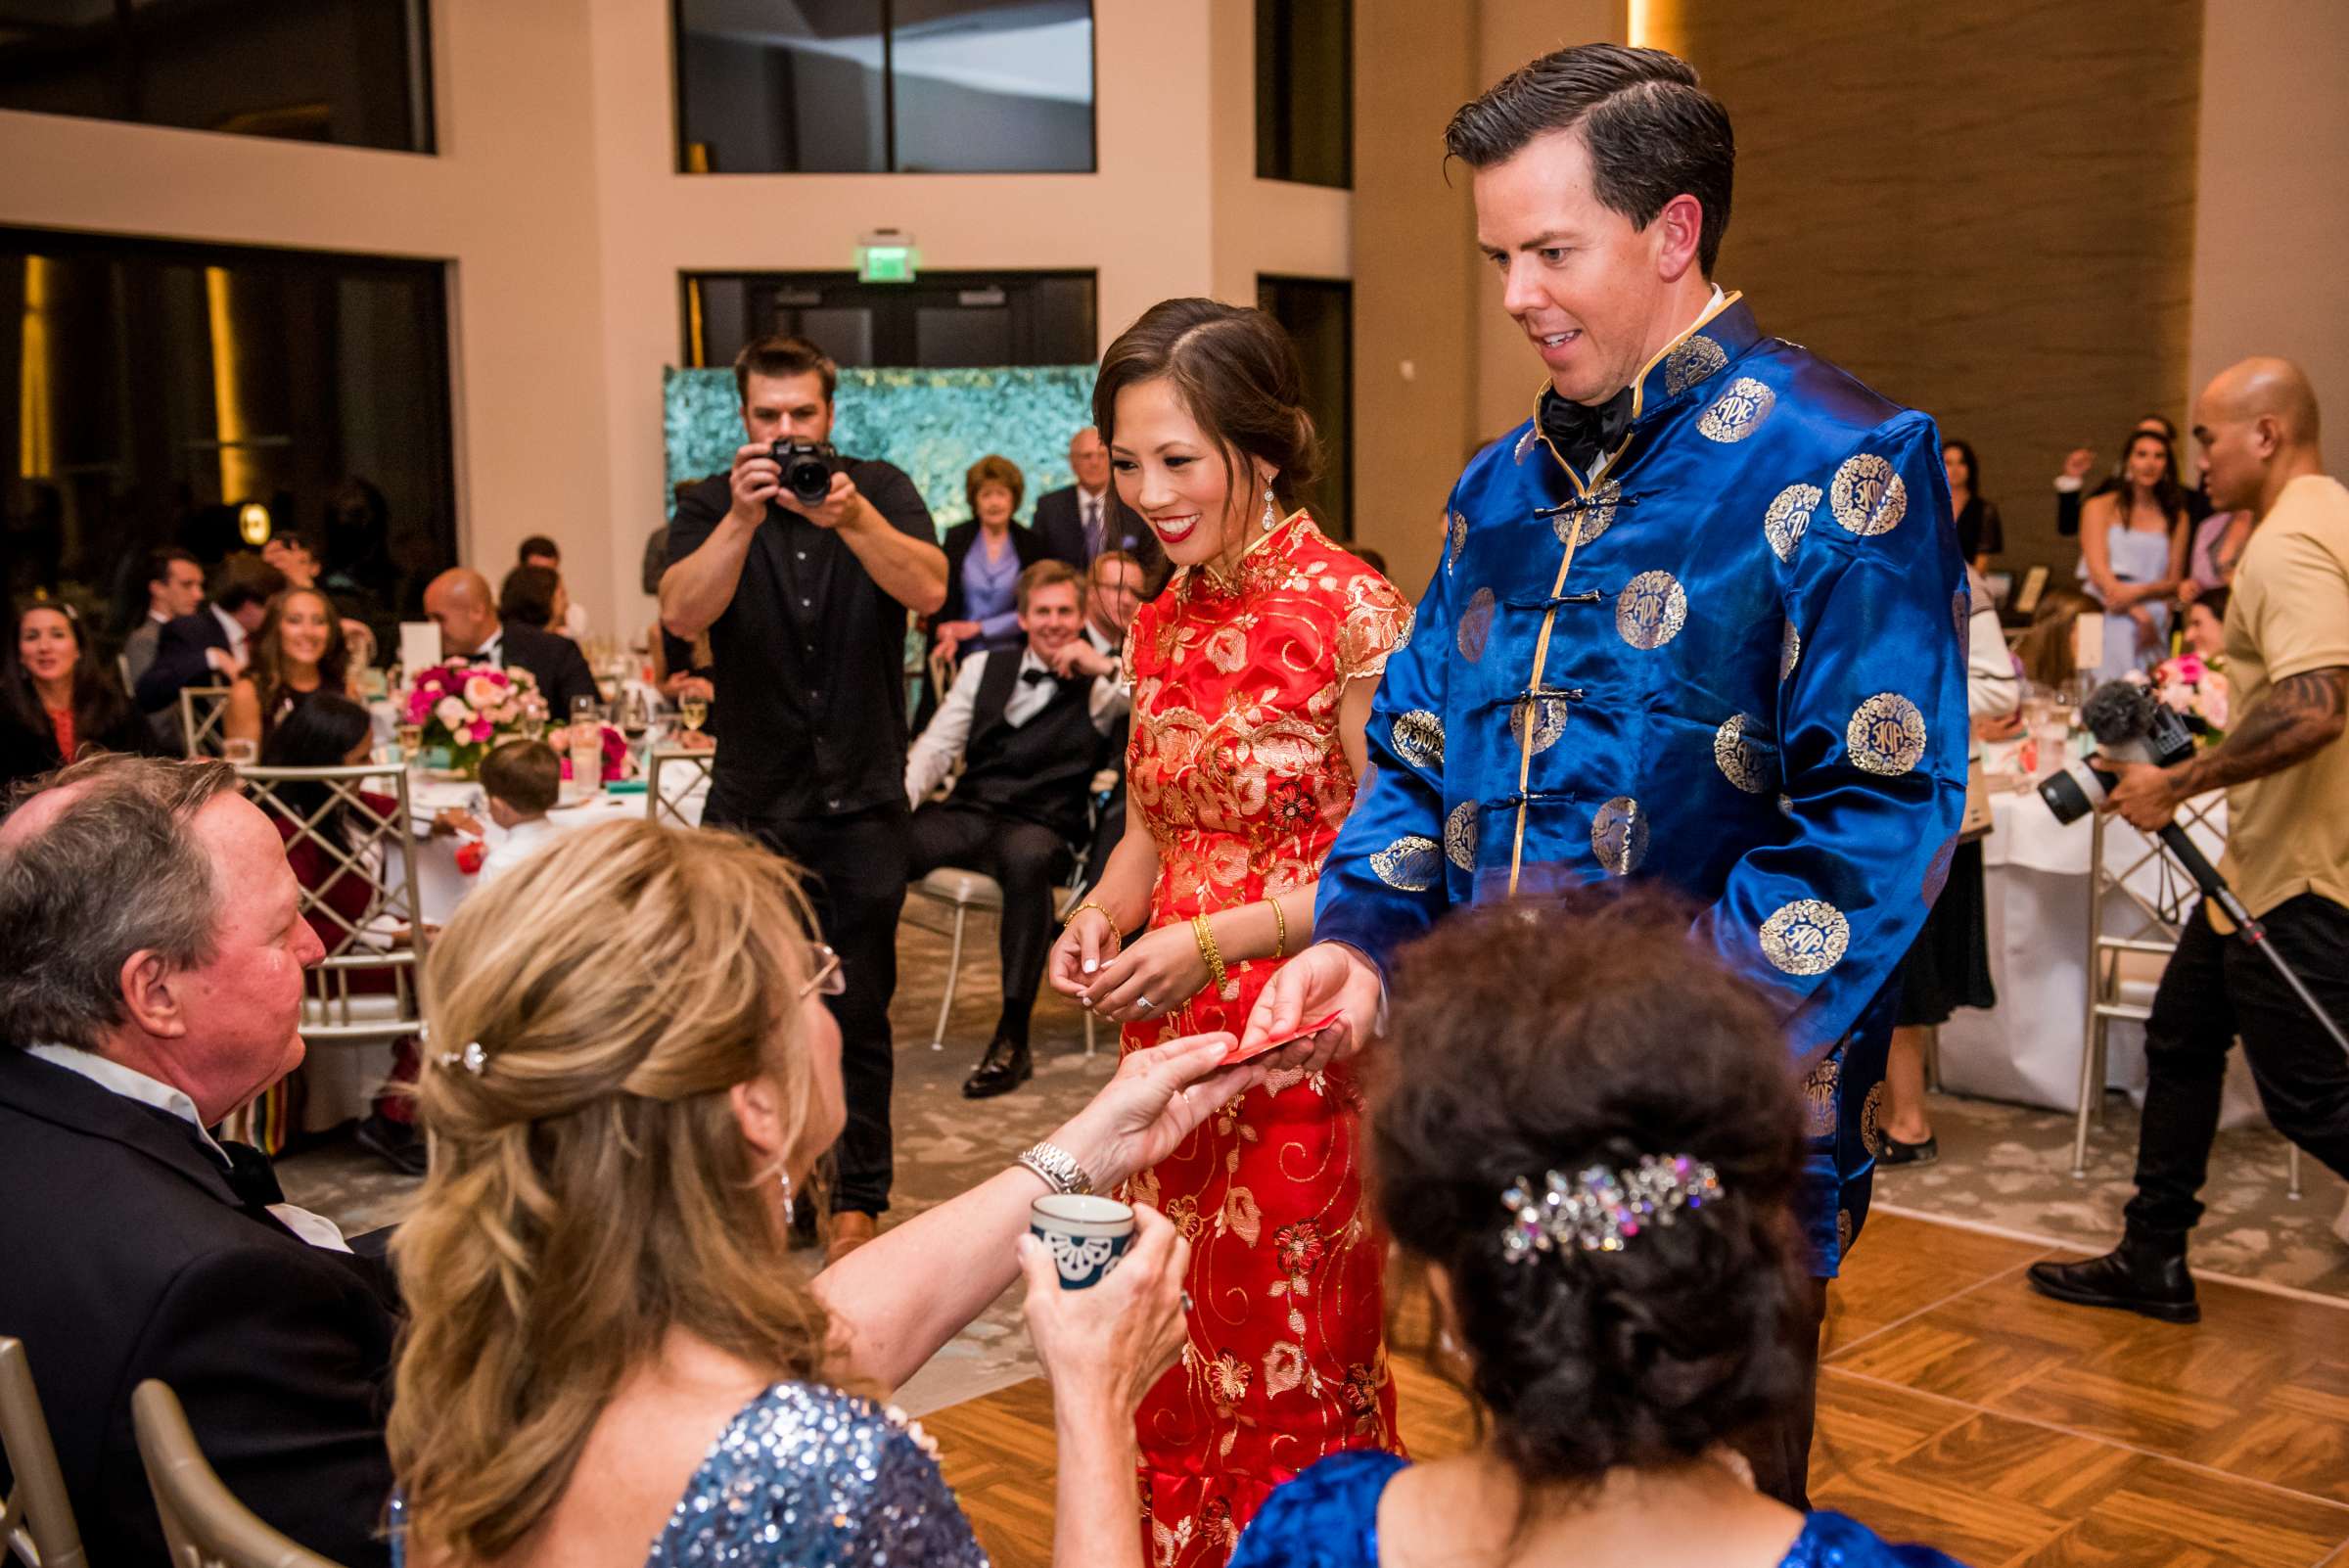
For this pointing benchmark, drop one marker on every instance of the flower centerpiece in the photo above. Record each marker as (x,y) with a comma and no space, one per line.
(2196,689)
(465,710)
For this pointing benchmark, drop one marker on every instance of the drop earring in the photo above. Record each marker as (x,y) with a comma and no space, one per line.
(1272,515)
(790,1212)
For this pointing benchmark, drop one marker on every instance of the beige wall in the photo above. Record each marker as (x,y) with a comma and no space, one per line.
(2271,218)
(556,204)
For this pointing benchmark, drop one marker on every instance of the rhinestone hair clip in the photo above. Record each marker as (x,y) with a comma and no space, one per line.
(472,1058)
(1599,1209)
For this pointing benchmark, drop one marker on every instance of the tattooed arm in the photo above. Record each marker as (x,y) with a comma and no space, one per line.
(2299,716)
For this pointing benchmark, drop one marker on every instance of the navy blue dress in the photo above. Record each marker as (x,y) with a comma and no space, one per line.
(1328,1518)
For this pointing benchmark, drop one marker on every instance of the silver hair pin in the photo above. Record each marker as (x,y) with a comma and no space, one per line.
(1600,1208)
(472,1058)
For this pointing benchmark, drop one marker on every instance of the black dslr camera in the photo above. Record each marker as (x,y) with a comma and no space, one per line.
(2130,723)
(807,468)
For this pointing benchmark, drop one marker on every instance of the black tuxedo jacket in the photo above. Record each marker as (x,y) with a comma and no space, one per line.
(562,669)
(1060,525)
(179,660)
(128,1256)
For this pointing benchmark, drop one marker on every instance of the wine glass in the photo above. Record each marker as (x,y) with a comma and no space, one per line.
(410,736)
(533,718)
(694,709)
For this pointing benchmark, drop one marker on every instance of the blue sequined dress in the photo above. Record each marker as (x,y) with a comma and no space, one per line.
(1328,1518)
(809,1477)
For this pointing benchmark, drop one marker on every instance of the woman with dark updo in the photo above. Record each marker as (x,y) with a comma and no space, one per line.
(1585,1131)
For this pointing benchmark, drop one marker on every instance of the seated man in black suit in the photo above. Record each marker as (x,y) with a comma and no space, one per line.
(1031,740)
(460,602)
(208,647)
(152,984)
(1080,521)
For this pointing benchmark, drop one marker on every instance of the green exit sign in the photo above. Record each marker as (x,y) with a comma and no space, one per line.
(885,263)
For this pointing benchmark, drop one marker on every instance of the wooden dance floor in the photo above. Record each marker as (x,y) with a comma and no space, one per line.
(1955,1407)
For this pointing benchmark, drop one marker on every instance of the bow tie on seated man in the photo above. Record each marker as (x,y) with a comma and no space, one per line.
(1030,730)
(155,985)
(460,603)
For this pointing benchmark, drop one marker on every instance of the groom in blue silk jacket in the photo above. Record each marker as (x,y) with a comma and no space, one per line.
(1700,619)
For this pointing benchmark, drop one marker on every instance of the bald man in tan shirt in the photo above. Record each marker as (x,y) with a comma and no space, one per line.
(2285,769)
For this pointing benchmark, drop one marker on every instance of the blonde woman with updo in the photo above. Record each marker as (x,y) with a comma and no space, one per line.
(610,1360)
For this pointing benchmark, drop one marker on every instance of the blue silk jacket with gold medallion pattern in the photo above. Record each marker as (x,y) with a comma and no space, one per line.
(1731,658)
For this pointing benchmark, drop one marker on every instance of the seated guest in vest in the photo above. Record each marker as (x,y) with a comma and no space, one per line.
(533,596)
(1031,739)
(56,698)
(572,618)
(208,648)
(1592,1048)
(985,558)
(1113,593)
(522,779)
(298,652)
(1078,522)
(174,588)
(153,985)
(459,603)
(608,1345)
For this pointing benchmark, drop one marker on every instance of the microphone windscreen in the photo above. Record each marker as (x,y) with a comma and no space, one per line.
(2118,712)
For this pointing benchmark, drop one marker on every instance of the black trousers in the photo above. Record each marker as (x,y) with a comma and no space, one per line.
(1029,861)
(1109,826)
(855,867)
(2215,988)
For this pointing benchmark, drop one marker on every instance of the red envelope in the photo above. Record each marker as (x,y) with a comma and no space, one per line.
(1236,1055)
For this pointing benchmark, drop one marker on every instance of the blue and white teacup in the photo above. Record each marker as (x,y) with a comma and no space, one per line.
(1087,1235)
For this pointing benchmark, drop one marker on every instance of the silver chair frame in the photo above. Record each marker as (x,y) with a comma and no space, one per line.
(664,804)
(36,1518)
(393,895)
(204,734)
(205,1525)
(2147,926)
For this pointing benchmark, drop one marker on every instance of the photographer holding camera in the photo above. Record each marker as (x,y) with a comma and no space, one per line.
(2287,774)
(801,565)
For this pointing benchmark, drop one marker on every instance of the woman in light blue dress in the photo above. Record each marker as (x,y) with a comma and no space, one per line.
(2132,554)
(610,1362)
(1584,1129)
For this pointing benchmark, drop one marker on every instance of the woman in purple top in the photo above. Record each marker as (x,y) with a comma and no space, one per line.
(985,558)
(1583,1127)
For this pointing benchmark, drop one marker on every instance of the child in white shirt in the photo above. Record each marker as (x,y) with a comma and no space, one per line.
(523,781)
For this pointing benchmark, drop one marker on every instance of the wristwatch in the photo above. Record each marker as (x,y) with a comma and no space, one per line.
(1058,1168)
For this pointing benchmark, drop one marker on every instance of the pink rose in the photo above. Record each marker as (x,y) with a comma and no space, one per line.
(482,729)
(483,692)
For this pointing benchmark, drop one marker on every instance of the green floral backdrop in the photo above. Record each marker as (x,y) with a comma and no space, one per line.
(933,424)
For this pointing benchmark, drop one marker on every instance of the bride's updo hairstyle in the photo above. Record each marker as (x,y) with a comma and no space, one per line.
(590,1188)
(1556,1036)
(1236,373)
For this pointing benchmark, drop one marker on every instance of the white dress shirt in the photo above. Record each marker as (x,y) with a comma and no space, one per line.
(133,1085)
(238,636)
(940,746)
(522,841)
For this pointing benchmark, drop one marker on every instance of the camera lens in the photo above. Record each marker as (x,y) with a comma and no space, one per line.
(2073,793)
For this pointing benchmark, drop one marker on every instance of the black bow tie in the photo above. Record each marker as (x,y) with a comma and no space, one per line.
(1582,433)
(1030,677)
(250,1175)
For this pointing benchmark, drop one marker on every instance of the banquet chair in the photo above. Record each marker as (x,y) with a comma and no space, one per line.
(2130,935)
(205,1526)
(666,802)
(959,893)
(366,992)
(203,712)
(36,1517)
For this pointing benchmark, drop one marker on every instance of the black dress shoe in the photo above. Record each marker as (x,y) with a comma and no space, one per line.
(1004,1068)
(2139,1276)
(1898,1153)
(395,1143)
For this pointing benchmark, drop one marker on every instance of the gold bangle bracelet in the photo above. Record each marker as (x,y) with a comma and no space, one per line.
(1280,932)
(1081,908)
(1207,951)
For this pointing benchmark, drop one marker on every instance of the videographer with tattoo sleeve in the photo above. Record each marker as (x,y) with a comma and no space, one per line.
(2285,770)
(801,565)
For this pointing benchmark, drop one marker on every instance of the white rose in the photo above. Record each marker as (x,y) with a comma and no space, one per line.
(453,713)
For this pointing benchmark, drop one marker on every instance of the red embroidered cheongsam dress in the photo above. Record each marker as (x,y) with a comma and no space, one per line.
(1236,765)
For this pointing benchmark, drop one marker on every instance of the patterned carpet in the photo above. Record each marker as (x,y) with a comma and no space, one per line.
(2002,1166)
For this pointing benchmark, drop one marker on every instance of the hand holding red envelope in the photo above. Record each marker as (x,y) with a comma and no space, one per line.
(1301,1032)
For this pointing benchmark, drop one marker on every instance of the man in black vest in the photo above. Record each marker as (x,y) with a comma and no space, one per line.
(1031,741)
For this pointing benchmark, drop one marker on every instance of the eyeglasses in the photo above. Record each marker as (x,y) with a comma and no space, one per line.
(828,979)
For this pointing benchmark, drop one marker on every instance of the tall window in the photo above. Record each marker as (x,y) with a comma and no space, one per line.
(157,394)
(885,86)
(947,320)
(352,71)
(1319,315)
(1304,92)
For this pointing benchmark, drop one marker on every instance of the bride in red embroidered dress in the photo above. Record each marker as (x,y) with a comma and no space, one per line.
(1252,673)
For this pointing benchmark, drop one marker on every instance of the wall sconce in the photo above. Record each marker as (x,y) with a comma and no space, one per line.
(252,523)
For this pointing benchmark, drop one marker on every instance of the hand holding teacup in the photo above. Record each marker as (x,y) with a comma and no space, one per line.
(1111,1341)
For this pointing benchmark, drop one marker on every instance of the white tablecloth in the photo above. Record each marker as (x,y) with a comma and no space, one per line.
(441,887)
(2035,886)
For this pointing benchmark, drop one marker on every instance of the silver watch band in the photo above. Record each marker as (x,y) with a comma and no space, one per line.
(1058,1168)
